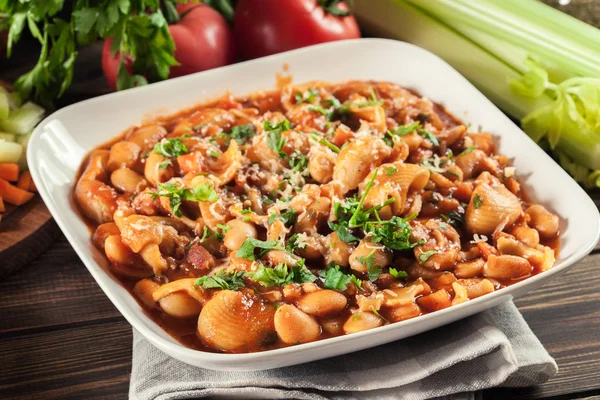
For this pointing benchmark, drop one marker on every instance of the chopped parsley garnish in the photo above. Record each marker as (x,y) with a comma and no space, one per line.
(241,133)
(224,228)
(289,217)
(246,211)
(404,130)
(454,218)
(298,161)
(248,247)
(393,233)
(477,201)
(164,164)
(434,164)
(325,142)
(467,150)
(213,153)
(334,278)
(389,171)
(329,113)
(170,148)
(429,136)
(373,270)
(222,280)
(398,274)
(374,311)
(274,138)
(306,97)
(343,232)
(177,194)
(424,256)
(335,109)
(281,275)
(293,244)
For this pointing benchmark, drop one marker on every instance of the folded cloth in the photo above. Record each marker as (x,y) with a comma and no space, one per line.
(493,348)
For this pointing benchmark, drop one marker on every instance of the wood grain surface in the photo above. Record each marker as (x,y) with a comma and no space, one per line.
(61,338)
(25,233)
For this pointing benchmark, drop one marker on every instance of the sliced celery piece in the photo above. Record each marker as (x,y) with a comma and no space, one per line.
(9,137)
(10,152)
(4,105)
(24,119)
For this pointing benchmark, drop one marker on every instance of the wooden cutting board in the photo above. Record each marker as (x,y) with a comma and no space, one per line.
(25,233)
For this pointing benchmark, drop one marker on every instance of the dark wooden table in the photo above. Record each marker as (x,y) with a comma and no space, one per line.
(60,336)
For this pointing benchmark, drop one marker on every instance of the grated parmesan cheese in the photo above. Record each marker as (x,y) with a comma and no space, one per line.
(478,238)
(509,172)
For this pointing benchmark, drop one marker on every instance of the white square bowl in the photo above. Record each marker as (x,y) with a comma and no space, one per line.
(59,144)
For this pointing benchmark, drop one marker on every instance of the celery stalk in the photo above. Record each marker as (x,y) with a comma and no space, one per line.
(535,63)
(400,20)
(23,119)
(4,106)
(10,152)
(9,137)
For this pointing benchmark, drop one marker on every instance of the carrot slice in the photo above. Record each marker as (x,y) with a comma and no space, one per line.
(2,208)
(9,171)
(14,195)
(25,182)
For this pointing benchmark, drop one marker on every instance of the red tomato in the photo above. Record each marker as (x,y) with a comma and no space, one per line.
(202,38)
(264,27)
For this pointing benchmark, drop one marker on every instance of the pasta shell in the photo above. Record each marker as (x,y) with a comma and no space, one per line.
(394,180)
(227,166)
(181,285)
(357,159)
(491,206)
(235,322)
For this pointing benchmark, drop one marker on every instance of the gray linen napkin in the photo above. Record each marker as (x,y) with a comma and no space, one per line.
(492,348)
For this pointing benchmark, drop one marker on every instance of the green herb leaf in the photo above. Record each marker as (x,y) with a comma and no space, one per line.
(477,201)
(424,256)
(398,274)
(274,138)
(404,130)
(306,97)
(325,142)
(393,233)
(177,194)
(374,311)
(298,161)
(373,269)
(292,244)
(281,275)
(429,136)
(467,150)
(389,171)
(334,278)
(222,280)
(170,148)
(248,247)
(241,133)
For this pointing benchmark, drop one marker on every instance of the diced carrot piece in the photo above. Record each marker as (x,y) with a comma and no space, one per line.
(14,195)
(2,208)
(9,171)
(25,182)
(190,162)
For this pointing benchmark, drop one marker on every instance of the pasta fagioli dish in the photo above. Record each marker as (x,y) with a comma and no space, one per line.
(311,211)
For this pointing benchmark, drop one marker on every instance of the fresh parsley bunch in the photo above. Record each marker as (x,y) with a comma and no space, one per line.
(137,28)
